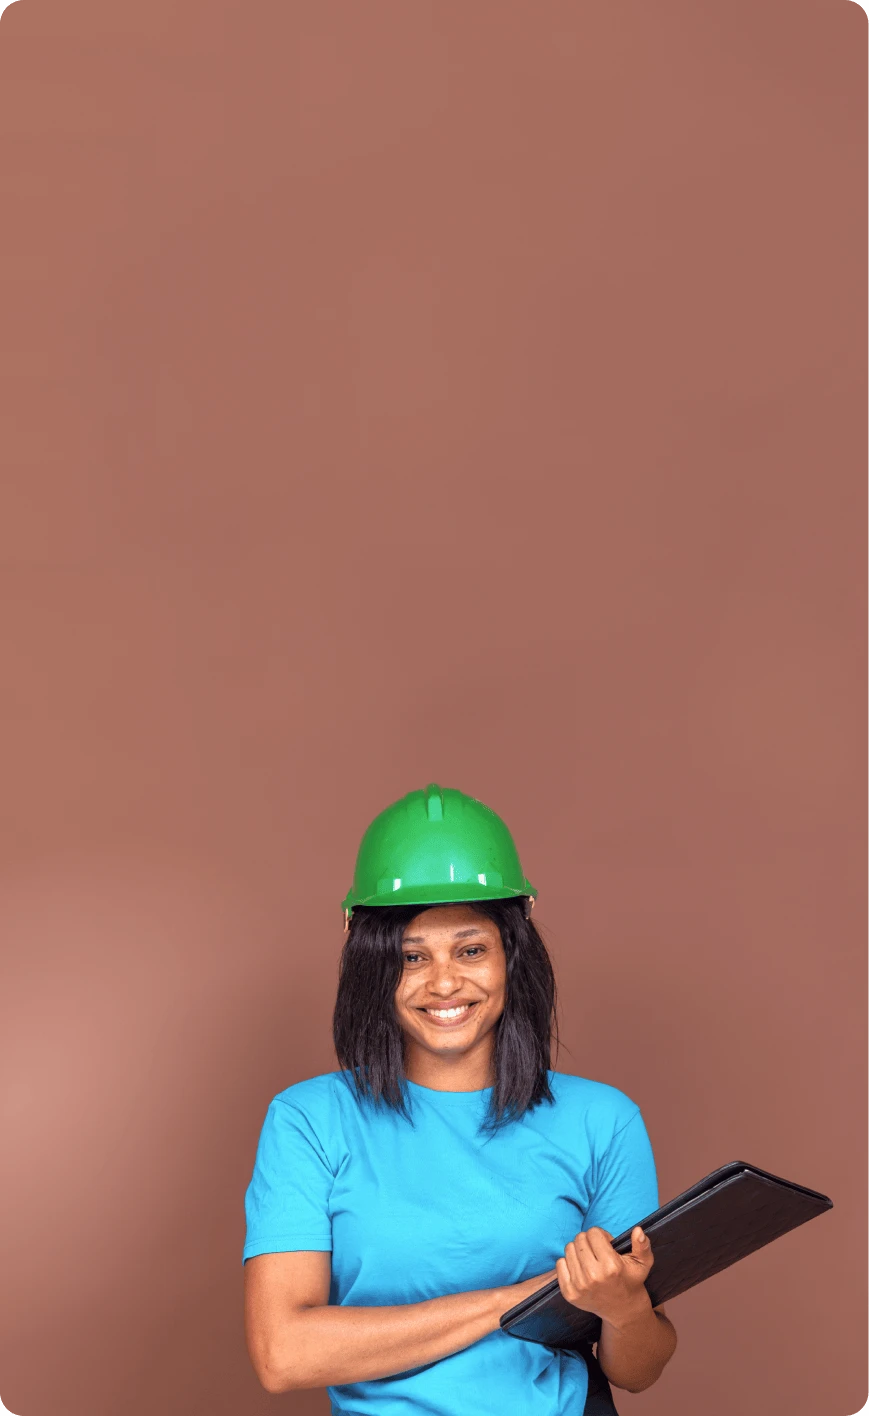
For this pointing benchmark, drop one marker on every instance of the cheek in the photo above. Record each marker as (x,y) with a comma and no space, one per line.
(402,995)
(405,1013)
(495,997)
(496,983)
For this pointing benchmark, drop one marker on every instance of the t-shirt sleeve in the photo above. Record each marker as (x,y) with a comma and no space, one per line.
(626,1190)
(287,1201)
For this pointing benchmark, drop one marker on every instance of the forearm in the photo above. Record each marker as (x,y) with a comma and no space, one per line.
(634,1350)
(333,1345)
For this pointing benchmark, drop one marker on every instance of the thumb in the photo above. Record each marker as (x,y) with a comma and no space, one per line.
(641,1247)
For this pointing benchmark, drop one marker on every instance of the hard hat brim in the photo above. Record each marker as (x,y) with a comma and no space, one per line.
(458,893)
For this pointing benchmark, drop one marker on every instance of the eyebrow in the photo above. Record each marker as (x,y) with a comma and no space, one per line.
(462,934)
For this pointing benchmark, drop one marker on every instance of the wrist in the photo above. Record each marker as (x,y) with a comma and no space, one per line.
(499,1302)
(633,1313)
(512,1293)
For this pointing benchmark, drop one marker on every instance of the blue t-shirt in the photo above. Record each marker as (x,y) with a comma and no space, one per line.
(415,1213)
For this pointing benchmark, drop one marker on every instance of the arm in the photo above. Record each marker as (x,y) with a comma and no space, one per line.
(636,1340)
(296,1339)
(634,1349)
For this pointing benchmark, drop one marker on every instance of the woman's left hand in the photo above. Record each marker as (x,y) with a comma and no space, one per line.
(591,1275)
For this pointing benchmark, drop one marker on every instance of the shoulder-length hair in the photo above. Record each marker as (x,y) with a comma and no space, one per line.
(367,1035)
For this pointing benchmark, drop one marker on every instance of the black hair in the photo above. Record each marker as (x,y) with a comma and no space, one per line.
(368,1039)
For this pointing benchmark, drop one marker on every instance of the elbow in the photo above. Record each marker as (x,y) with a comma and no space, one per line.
(275,1374)
(649,1377)
(650,1380)
(276,1380)
(274,1386)
(635,1388)
(280,1356)
(272,1381)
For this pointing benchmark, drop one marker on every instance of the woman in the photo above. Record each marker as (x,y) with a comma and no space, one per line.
(400,1205)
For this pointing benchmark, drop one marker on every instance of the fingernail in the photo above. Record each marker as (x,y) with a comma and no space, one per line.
(642,1235)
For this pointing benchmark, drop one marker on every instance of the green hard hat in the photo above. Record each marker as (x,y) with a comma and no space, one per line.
(432,847)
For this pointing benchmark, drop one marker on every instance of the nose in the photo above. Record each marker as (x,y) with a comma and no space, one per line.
(444,979)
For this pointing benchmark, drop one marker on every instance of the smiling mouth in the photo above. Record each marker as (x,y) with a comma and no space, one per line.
(449,1015)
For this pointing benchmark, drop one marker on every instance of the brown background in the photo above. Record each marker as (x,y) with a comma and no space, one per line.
(426,391)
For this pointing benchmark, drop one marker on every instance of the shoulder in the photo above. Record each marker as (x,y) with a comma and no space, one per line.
(309,1115)
(603,1109)
(310,1089)
(314,1097)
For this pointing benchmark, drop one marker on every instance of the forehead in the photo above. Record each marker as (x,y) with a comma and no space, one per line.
(445,923)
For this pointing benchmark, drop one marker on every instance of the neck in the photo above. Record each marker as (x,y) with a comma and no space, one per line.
(467,1072)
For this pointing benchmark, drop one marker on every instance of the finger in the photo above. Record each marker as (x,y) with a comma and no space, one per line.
(599,1243)
(592,1267)
(568,1288)
(574,1265)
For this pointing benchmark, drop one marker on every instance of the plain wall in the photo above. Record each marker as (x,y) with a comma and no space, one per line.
(405,392)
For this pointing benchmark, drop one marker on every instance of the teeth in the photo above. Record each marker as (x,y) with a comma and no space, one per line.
(448,1012)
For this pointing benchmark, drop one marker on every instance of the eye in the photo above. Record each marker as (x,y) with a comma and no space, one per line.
(472,947)
(410,957)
